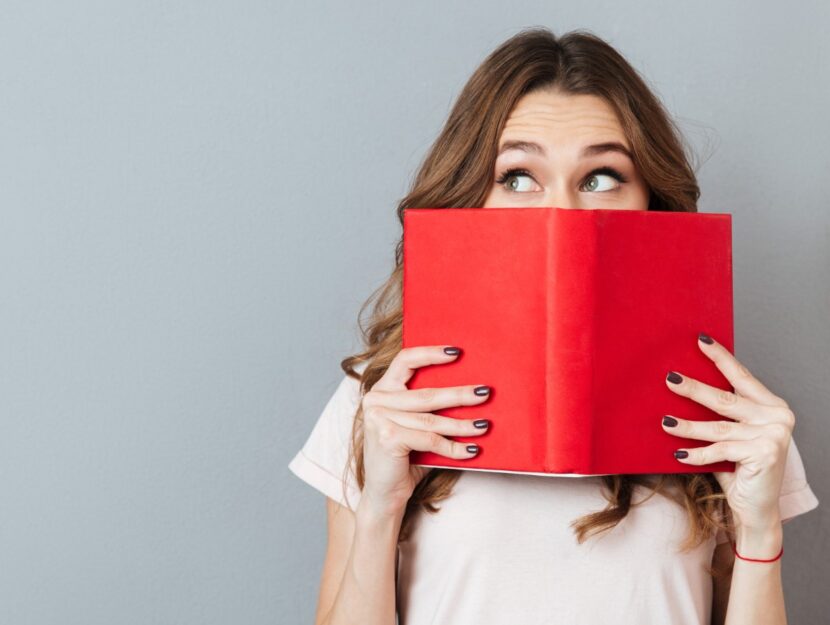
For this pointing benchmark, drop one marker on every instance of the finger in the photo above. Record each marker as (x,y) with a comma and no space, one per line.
(408,360)
(428,399)
(401,441)
(429,422)
(713,430)
(741,379)
(723,402)
(757,454)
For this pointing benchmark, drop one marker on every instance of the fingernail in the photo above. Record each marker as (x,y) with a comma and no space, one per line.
(681,453)
(669,421)
(452,351)
(705,338)
(481,390)
(481,423)
(473,449)
(674,378)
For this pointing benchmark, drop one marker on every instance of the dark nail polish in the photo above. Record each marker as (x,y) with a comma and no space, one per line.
(681,453)
(481,390)
(481,423)
(452,351)
(669,421)
(473,449)
(674,378)
(705,338)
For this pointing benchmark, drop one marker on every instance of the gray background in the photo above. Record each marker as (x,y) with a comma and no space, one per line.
(196,198)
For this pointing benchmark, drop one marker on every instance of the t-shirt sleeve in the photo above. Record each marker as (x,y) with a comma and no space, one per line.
(796,495)
(321,461)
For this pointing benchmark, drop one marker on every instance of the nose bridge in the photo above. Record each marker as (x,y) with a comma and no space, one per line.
(561,196)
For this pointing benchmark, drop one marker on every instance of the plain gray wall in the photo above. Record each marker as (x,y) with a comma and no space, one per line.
(197,197)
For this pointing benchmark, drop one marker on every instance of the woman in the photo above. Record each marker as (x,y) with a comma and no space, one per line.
(567,122)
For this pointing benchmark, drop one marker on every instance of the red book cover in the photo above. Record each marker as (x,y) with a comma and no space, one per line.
(573,317)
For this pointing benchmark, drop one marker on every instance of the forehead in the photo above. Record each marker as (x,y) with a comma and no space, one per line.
(562,118)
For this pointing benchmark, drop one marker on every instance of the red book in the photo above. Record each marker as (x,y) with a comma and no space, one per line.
(573,317)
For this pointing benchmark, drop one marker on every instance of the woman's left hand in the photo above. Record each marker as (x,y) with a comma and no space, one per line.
(757,441)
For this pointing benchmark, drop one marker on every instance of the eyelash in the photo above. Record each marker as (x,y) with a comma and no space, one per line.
(516,171)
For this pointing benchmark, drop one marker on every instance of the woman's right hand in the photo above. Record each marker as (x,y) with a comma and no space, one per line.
(397,420)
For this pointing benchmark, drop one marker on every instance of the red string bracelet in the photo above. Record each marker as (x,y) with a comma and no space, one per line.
(735,550)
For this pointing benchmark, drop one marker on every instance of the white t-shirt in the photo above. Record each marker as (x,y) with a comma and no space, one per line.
(501,550)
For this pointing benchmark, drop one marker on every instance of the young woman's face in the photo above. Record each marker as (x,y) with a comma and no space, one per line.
(554,151)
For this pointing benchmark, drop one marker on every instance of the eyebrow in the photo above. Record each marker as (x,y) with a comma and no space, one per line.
(591,150)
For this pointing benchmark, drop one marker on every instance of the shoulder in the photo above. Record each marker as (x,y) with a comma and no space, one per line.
(797,497)
(324,459)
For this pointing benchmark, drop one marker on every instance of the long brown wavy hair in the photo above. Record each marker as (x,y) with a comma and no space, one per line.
(457,172)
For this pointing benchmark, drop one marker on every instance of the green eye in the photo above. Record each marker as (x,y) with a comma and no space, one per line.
(514,179)
(512,186)
(593,183)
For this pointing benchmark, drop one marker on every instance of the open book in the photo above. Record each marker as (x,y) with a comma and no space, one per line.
(573,317)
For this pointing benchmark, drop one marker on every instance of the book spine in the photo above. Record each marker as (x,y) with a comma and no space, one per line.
(571,295)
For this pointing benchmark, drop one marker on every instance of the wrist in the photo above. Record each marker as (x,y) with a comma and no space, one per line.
(377,515)
(760,542)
